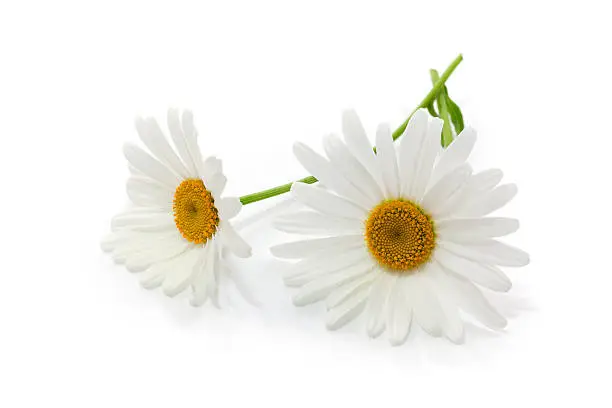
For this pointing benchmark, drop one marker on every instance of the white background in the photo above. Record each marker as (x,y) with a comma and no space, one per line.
(78,331)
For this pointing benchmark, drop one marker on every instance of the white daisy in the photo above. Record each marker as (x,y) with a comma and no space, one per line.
(177,233)
(402,233)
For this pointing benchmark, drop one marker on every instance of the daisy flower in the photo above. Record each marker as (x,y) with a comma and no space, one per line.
(178,231)
(402,234)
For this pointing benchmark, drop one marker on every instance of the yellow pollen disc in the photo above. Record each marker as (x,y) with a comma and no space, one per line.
(195,214)
(399,235)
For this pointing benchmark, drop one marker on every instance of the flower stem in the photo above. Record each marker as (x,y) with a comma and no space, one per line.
(429,98)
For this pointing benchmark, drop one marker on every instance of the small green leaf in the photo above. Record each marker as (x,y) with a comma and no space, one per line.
(432,109)
(455,114)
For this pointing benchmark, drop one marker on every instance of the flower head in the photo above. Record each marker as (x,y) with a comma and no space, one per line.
(402,233)
(178,230)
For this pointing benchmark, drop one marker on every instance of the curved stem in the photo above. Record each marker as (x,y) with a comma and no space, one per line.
(429,98)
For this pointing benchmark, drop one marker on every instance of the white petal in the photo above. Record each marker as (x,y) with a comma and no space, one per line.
(143,222)
(202,269)
(411,143)
(346,311)
(437,196)
(234,241)
(151,281)
(328,176)
(387,162)
(213,277)
(109,242)
(241,285)
(153,137)
(229,207)
(489,201)
(210,167)
(191,139)
(427,156)
(490,251)
(472,270)
(469,298)
(455,154)
(141,260)
(179,276)
(319,288)
(181,143)
(342,293)
(358,143)
(146,192)
(343,160)
(399,312)
(452,325)
(376,308)
(149,166)
(468,229)
(425,306)
(485,180)
(314,223)
(329,262)
(130,242)
(311,247)
(326,202)
(478,185)
(216,185)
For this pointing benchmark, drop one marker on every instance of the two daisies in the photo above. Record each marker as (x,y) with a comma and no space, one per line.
(400,234)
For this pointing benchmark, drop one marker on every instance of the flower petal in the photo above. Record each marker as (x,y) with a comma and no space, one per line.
(152,136)
(191,139)
(443,190)
(489,201)
(326,202)
(325,263)
(145,222)
(312,247)
(319,288)
(179,276)
(358,143)
(426,157)
(455,154)
(411,144)
(399,311)
(229,207)
(472,270)
(387,161)
(216,185)
(490,251)
(346,311)
(470,299)
(203,268)
(314,223)
(425,306)
(183,145)
(328,176)
(343,160)
(146,164)
(146,192)
(210,167)
(342,293)
(376,308)
(468,229)
(141,260)
(234,241)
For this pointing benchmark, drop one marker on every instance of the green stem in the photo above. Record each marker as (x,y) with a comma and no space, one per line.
(447,133)
(429,98)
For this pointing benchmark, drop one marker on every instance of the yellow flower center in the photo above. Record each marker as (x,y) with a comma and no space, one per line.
(400,235)
(195,214)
